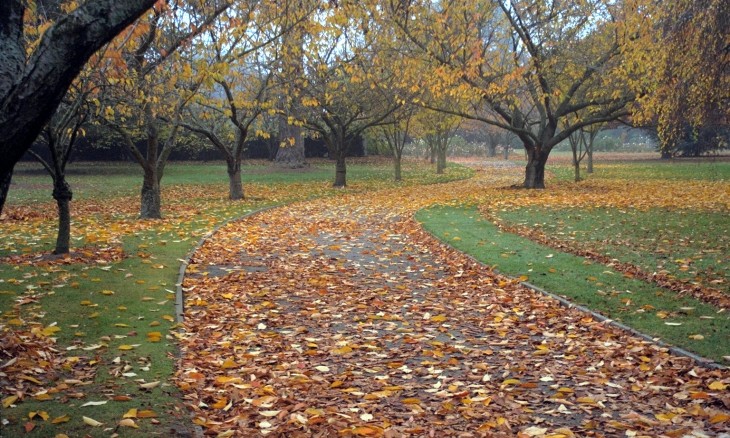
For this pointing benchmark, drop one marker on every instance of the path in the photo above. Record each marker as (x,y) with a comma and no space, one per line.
(340,317)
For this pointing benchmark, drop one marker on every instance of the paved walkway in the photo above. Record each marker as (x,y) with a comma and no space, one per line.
(340,317)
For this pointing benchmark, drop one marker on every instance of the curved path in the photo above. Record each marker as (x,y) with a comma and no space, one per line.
(340,317)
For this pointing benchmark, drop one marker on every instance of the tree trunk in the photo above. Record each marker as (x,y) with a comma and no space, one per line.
(291,145)
(535,169)
(151,200)
(506,152)
(235,187)
(441,160)
(574,145)
(397,164)
(433,154)
(4,189)
(62,194)
(491,150)
(589,164)
(340,169)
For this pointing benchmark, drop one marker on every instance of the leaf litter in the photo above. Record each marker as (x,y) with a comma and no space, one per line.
(341,317)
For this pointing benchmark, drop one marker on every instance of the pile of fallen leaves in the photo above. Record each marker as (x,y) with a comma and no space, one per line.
(29,363)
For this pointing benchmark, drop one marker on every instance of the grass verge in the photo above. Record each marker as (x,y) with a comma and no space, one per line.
(680,321)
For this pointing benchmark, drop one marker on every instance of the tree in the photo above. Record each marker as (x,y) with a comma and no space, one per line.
(395,134)
(236,79)
(142,101)
(340,96)
(531,64)
(33,82)
(290,153)
(688,60)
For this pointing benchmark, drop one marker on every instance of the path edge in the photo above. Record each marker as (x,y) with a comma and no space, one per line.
(699,360)
(179,292)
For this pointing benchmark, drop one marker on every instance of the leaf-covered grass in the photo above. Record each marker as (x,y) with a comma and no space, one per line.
(609,168)
(94,308)
(646,307)
(687,244)
(32,184)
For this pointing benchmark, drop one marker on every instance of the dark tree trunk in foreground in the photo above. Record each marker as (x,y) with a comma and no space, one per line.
(506,152)
(32,87)
(62,194)
(4,189)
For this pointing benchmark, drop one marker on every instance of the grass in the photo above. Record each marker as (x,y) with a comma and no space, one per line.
(687,244)
(104,180)
(640,305)
(102,306)
(610,168)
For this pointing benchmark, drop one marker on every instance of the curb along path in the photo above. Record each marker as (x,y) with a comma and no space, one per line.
(341,317)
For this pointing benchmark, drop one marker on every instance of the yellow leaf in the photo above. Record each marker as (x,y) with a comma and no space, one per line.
(344,350)
(7,401)
(91,422)
(229,363)
(717,386)
(50,330)
(719,418)
(511,382)
(586,400)
(168,318)
(125,347)
(220,404)
(146,414)
(150,385)
(107,292)
(61,419)
(154,323)
(438,318)
(132,413)
(154,336)
(128,422)
(411,401)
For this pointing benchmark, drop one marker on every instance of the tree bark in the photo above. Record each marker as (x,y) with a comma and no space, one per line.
(291,146)
(535,169)
(62,194)
(235,186)
(441,160)
(397,163)
(150,199)
(340,169)
(36,86)
(491,150)
(589,164)
(506,152)
(4,189)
